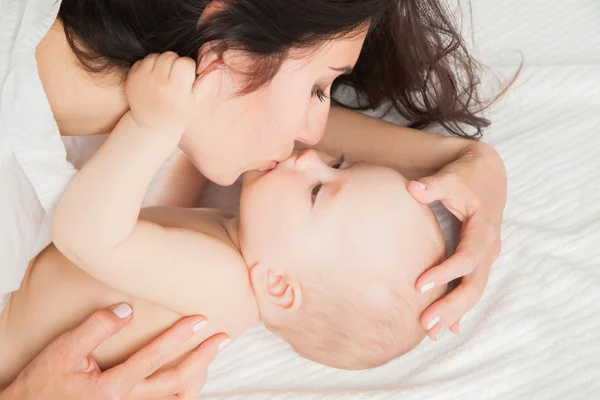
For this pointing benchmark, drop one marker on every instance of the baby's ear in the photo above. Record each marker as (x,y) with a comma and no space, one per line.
(209,59)
(274,291)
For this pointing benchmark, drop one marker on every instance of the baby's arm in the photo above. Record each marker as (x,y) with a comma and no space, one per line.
(96,223)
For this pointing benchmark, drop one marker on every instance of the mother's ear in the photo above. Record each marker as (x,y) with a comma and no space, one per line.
(274,292)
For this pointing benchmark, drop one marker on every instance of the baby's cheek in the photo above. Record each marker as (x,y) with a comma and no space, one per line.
(286,107)
(285,250)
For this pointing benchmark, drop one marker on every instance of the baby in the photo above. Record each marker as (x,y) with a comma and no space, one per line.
(326,255)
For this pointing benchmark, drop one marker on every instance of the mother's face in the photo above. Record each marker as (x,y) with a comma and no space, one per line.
(232,134)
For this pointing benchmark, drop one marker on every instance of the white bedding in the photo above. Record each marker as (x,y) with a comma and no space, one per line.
(536,332)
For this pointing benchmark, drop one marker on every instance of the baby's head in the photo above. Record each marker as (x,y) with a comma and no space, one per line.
(334,254)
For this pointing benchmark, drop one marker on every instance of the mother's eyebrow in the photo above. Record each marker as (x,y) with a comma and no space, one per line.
(347,70)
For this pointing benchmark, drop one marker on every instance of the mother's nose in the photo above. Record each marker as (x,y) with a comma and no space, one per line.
(312,136)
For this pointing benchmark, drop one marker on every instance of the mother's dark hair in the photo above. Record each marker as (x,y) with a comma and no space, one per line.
(413,57)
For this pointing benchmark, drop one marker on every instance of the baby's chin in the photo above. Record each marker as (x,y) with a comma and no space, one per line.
(250,176)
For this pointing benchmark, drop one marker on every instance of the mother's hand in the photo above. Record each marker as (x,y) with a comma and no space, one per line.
(473,188)
(470,182)
(66,370)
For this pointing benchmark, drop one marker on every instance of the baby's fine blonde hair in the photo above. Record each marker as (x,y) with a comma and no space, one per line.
(364,318)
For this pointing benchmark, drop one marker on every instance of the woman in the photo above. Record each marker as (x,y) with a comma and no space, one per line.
(274,65)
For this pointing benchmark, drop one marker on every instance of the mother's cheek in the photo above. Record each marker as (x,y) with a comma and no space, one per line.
(318,121)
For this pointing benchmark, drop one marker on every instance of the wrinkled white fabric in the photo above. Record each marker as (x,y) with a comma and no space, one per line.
(33,167)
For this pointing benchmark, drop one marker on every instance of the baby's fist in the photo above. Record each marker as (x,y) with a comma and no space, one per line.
(160,92)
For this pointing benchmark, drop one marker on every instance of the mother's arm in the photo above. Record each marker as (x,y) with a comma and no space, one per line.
(412,152)
(468,177)
(180,184)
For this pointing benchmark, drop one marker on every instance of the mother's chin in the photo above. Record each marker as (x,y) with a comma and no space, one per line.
(223,179)
(215,169)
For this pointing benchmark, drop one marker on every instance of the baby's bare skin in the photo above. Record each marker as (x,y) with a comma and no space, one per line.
(205,273)
(56,296)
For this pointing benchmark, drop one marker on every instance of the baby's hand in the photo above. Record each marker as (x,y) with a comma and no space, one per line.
(160,92)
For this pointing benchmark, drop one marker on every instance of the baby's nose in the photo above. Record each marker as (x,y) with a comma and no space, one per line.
(307,159)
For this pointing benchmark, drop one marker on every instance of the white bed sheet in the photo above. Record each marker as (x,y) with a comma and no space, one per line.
(536,332)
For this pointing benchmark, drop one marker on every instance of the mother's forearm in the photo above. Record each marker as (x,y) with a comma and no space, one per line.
(180,184)
(412,152)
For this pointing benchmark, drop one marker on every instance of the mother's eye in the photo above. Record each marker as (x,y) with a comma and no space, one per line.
(338,164)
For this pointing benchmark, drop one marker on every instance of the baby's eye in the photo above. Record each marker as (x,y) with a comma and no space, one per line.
(314,192)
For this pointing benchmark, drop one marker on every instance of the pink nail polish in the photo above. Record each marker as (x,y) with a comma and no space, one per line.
(224,344)
(427,287)
(433,323)
(199,326)
(122,311)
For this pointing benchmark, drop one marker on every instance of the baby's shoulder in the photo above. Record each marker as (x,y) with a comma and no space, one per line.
(207,221)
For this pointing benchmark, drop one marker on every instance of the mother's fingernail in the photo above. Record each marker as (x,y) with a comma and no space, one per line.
(199,326)
(433,322)
(422,185)
(427,287)
(224,344)
(457,327)
(122,310)
(433,337)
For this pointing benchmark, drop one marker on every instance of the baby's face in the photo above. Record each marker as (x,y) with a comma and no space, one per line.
(328,244)
(310,212)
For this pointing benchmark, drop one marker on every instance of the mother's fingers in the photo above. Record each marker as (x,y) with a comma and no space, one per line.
(209,349)
(186,378)
(450,189)
(427,191)
(455,327)
(153,356)
(479,241)
(447,312)
(101,325)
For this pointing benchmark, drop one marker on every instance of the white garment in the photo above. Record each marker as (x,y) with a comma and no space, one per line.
(34,170)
